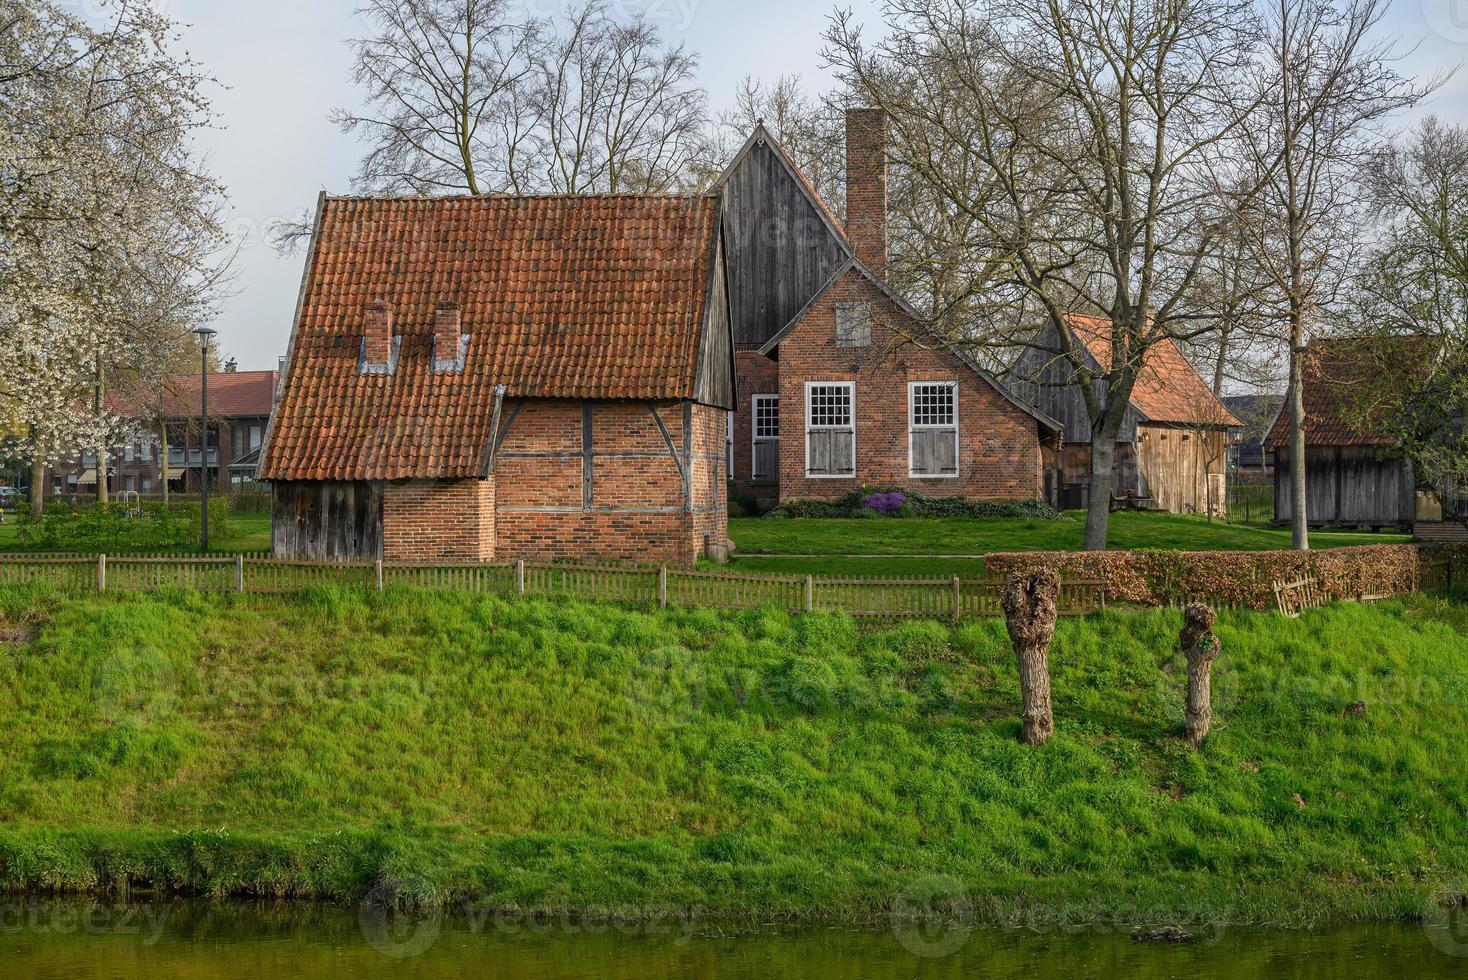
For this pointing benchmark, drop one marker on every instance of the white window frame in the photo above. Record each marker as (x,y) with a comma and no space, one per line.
(755,438)
(810,386)
(912,426)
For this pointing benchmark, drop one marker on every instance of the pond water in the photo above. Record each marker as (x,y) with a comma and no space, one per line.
(202,941)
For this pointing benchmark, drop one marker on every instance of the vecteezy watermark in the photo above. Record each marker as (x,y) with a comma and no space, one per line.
(933,916)
(1448,19)
(1445,918)
(397,924)
(89,918)
(135,684)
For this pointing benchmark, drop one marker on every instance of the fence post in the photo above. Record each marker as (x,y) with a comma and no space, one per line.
(957,598)
(810,593)
(520,575)
(377,568)
(101,573)
(239,573)
(663,587)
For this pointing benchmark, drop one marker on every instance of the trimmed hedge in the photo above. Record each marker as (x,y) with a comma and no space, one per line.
(1231,578)
(886,502)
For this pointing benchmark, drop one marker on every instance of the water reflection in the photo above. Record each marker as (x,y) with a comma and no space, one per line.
(202,941)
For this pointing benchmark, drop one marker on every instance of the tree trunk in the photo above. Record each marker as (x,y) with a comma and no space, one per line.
(38,487)
(1031,607)
(1300,537)
(101,451)
(1098,508)
(163,456)
(1201,647)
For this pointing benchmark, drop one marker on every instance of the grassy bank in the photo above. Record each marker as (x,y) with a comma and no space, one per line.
(541,754)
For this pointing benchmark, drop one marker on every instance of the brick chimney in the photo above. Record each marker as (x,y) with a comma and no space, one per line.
(866,186)
(446,333)
(377,334)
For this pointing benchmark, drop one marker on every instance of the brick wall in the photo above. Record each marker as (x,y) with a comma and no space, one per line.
(866,187)
(634,507)
(999,445)
(754,374)
(438,521)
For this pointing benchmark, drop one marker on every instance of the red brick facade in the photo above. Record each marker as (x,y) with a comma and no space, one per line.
(866,187)
(539,506)
(438,521)
(999,454)
(755,375)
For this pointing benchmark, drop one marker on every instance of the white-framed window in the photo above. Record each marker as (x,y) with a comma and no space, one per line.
(764,415)
(830,429)
(932,437)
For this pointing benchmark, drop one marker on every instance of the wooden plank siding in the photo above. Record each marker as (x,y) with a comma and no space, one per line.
(326,519)
(779,248)
(1350,486)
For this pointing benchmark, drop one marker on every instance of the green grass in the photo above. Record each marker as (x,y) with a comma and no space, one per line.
(757,540)
(546,754)
(241,532)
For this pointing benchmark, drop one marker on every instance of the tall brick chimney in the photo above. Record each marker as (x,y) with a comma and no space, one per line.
(446,332)
(866,186)
(377,333)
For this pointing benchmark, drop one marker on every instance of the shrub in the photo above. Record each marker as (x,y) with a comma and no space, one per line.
(117,526)
(882,502)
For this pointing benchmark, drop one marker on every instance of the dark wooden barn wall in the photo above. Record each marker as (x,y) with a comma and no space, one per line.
(1348,485)
(716,351)
(780,251)
(1046,381)
(318,520)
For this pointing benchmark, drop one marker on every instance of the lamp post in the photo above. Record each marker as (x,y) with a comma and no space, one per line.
(204,335)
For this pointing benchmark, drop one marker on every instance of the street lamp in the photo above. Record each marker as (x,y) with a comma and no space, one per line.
(204,335)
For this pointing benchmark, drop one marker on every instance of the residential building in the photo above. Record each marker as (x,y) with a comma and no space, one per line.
(239,412)
(842,385)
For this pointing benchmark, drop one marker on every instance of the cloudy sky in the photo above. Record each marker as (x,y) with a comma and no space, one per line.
(284,66)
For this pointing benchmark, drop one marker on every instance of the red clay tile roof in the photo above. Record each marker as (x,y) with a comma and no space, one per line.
(232,394)
(563,297)
(1334,372)
(1168,389)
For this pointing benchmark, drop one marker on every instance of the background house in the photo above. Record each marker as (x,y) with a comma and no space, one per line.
(1173,444)
(834,392)
(1352,479)
(484,378)
(1256,414)
(239,412)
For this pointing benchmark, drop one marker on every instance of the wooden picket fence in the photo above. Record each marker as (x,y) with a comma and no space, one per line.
(932,598)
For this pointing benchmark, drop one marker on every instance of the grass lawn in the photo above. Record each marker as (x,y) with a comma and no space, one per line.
(547,754)
(756,538)
(242,532)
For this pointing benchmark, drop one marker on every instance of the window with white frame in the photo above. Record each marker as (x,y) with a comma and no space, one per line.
(932,428)
(830,429)
(765,423)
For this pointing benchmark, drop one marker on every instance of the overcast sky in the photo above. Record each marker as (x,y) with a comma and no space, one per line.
(284,66)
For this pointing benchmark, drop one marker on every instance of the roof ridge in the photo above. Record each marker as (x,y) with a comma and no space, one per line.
(447,198)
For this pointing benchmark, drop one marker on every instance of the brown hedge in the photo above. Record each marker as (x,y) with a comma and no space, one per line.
(1233,578)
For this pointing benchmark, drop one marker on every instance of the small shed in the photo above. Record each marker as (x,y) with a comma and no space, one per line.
(1172,450)
(1352,478)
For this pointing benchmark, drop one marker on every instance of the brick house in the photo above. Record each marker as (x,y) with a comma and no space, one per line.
(833,393)
(488,378)
(239,411)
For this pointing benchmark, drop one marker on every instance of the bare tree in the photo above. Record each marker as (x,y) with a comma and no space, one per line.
(1318,95)
(1079,142)
(1200,647)
(1031,610)
(615,110)
(446,84)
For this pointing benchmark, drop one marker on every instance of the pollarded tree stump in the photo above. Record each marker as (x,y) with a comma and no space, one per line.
(1201,647)
(1031,607)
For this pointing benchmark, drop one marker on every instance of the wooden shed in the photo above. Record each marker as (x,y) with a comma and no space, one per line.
(1352,479)
(1172,450)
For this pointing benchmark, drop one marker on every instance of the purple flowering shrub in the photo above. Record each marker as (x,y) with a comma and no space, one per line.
(886,504)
